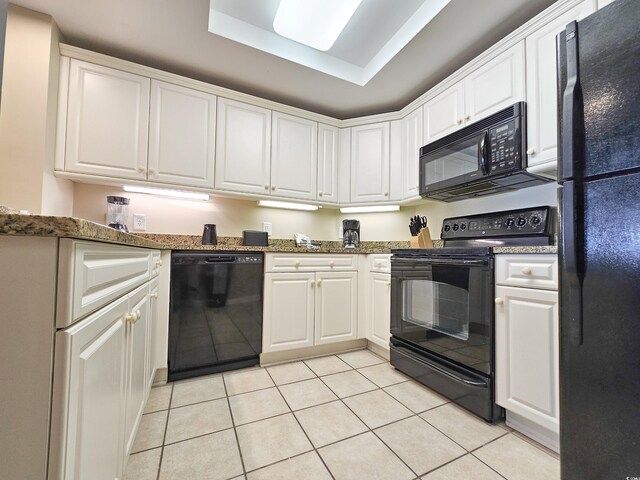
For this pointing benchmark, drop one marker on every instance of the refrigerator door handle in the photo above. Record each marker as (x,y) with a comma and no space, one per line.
(572,109)
(572,263)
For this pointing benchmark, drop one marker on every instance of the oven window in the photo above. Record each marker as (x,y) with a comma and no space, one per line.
(452,162)
(440,307)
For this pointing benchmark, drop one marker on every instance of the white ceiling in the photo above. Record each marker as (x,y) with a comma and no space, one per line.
(378,30)
(172,35)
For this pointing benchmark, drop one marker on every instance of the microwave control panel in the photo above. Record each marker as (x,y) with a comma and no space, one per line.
(505,147)
(528,221)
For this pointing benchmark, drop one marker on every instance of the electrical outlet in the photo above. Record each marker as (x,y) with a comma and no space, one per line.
(267,227)
(139,221)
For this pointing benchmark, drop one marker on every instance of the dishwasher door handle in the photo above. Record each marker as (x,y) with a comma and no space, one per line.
(220,259)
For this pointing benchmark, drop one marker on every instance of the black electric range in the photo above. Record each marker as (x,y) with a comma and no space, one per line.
(442,312)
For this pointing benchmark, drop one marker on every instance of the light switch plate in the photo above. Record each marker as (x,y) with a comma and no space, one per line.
(139,221)
(267,227)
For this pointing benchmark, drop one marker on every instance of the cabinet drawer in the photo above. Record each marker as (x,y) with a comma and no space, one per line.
(94,274)
(533,271)
(380,262)
(309,262)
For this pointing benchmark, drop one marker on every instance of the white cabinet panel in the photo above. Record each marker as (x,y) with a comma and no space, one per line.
(288,317)
(294,157)
(496,85)
(527,354)
(344,166)
(380,309)
(181,135)
(304,262)
(328,151)
(411,143)
(444,113)
(396,187)
(88,398)
(243,144)
(336,307)
(107,122)
(136,342)
(370,163)
(153,328)
(542,87)
(531,271)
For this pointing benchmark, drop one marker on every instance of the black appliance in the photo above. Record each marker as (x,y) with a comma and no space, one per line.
(209,236)
(486,157)
(215,312)
(442,304)
(350,233)
(255,238)
(599,170)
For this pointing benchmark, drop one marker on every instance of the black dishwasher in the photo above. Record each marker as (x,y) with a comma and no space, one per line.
(215,312)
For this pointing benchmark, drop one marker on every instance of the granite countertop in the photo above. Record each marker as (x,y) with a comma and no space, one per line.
(540,249)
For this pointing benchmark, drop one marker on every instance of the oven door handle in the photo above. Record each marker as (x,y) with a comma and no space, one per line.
(438,261)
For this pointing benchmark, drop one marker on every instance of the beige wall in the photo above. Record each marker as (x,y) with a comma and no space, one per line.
(436,212)
(27,115)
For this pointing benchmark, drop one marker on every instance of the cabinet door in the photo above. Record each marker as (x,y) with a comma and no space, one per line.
(411,143)
(328,143)
(294,157)
(542,89)
(243,145)
(380,309)
(136,366)
(444,113)
(181,135)
(370,163)
(107,122)
(527,354)
(88,393)
(496,85)
(288,311)
(336,307)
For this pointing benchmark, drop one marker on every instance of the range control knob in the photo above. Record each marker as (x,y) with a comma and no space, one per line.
(463,226)
(509,222)
(456,227)
(535,220)
(521,222)
(447,227)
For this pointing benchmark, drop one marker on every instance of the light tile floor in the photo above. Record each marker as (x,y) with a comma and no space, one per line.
(347,416)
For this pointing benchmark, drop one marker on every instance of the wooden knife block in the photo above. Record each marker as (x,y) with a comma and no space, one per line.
(422,240)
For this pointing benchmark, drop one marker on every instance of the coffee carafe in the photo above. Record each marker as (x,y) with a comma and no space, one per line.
(350,233)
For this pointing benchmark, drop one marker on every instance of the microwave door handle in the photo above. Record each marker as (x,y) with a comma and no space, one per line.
(483,154)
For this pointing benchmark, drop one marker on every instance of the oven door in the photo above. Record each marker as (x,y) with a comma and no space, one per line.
(444,307)
(454,164)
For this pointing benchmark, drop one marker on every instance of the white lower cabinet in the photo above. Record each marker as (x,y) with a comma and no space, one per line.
(527,359)
(380,309)
(89,361)
(303,309)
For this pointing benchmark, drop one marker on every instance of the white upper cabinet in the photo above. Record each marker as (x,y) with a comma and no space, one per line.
(181,135)
(243,145)
(542,87)
(107,122)
(370,163)
(444,113)
(488,89)
(328,150)
(495,85)
(294,157)
(411,143)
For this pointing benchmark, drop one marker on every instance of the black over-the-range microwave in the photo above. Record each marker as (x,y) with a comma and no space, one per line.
(486,157)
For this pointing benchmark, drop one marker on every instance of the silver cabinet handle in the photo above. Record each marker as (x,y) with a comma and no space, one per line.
(531,151)
(319,194)
(151,171)
(459,121)
(499,301)
(130,318)
(467,117)
(273,187)
(266,187)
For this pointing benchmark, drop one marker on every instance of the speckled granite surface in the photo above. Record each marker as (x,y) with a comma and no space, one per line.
(194,242)
(68,227)
(543,249)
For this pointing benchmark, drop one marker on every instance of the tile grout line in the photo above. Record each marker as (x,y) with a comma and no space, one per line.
(298,421)
(233,425)
(164,436)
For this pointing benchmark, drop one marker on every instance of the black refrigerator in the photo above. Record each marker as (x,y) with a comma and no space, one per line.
(599,198)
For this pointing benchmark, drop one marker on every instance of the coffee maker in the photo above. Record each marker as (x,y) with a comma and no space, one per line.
(350,233)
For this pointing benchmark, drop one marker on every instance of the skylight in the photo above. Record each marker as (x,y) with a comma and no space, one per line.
(315,23)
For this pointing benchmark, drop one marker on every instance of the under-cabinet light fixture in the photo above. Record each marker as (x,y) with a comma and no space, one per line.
(287,205)
(167,193)
(315,23)
(372,209)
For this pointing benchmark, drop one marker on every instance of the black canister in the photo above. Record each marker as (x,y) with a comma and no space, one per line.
(209,236)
